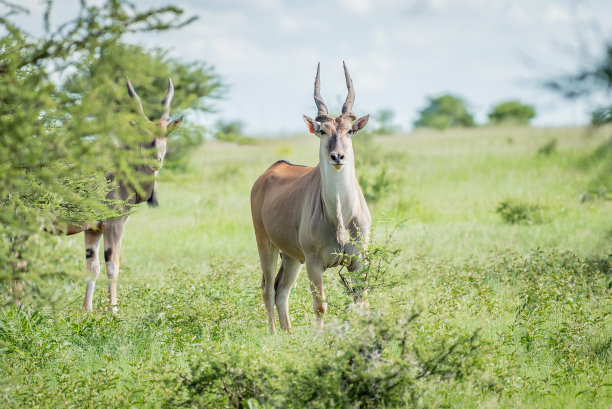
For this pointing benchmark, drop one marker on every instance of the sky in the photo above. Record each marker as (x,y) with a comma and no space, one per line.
(399,53)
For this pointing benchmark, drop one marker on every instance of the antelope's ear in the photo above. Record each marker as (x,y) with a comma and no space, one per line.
(313,126)
(172,126)
(360,123)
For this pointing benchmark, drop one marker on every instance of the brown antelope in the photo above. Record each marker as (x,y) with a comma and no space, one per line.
(313,215)
(112,229)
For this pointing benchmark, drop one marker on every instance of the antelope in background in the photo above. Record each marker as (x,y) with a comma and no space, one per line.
(112,229)
(313,215)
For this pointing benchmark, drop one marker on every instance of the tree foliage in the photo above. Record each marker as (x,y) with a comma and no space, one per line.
(58,143)
(445,111)
(596,77)
(195,84)
(513,112)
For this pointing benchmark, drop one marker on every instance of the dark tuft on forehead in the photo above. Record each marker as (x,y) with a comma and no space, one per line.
(343,123)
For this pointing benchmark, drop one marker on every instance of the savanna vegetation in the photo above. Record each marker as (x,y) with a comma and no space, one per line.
(470,307)
(489,275)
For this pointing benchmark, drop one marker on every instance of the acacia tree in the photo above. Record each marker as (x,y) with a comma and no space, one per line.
(195,83)
(56,146)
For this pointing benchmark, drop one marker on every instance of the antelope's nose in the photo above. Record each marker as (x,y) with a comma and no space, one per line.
(337,157)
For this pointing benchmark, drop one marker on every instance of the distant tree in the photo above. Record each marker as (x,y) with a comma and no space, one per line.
(231,131)
(383,119)
(512,112)
(445,111)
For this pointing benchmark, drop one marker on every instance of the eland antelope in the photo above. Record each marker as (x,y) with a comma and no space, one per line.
(313,215)
(112,229)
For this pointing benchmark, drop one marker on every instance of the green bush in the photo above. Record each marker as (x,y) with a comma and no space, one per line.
(370,361)
(514,211)
(548,148)
(374,185)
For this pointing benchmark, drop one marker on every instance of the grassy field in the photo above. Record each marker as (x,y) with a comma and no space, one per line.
(500,295)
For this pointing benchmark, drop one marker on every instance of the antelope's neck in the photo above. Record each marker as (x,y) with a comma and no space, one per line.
(339,192)
(147,186)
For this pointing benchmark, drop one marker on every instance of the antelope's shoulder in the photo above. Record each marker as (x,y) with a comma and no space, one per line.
(283,169)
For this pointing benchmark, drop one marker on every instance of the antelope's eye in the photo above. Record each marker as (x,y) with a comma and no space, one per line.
(351,132)
(322,132)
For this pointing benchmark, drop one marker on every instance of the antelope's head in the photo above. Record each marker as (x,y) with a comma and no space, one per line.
(336,147)
(164,125)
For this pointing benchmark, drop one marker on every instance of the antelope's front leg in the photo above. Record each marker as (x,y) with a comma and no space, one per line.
(359,283)
(315,275)
(113,235)
(92,244)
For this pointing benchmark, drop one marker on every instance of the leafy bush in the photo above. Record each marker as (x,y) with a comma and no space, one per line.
(548,148)
(379,260)
(513,211)
(374,185)
(445,111)
(370,361)
(513,112)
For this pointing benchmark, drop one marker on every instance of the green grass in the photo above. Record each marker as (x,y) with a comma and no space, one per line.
(476,311)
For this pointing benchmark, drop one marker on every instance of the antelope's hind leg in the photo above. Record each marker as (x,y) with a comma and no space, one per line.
(92,258)
(113,236)
(268,257)
(288,273)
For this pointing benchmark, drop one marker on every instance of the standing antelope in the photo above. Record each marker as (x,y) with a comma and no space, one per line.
(311,214)
(112,229)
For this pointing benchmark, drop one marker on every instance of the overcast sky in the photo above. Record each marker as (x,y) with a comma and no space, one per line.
(398,53)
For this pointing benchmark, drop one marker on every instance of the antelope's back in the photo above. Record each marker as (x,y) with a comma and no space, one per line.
(278,197)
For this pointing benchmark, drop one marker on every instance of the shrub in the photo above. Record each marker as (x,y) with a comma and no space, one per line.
(370,361)
(379,259)
(513,211)
(548,148)
(374,186)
